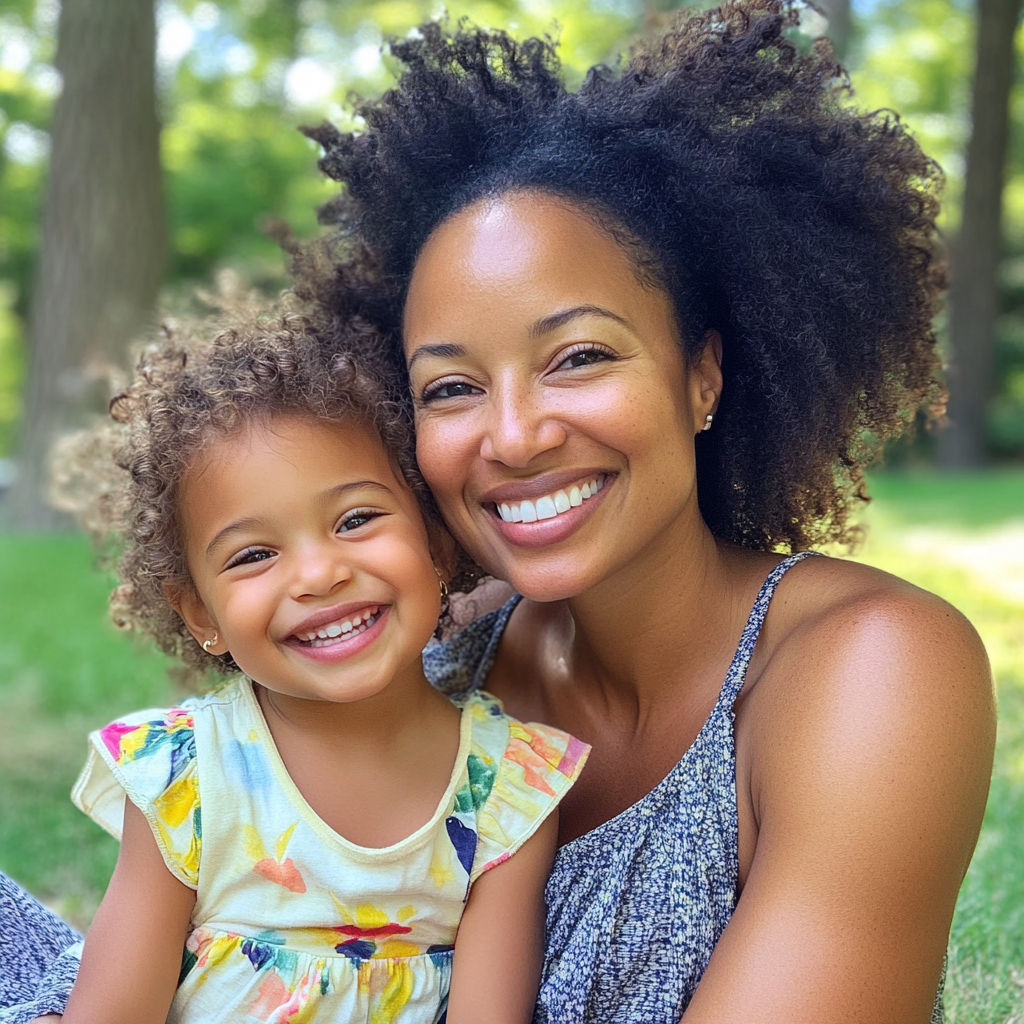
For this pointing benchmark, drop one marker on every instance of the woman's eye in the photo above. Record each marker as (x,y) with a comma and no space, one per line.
(584,357)
(356,519)
(249,556)
(449,389)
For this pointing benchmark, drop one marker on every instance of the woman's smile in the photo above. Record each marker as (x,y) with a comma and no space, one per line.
(551,394)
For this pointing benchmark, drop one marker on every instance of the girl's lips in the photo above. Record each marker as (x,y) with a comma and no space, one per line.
(341,648)
(552,530)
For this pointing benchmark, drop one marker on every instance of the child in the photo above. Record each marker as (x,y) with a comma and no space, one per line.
(326,836)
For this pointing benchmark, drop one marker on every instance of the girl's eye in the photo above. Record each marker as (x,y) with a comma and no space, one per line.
(449,389)
(584,357)
(359,517)
(249,556)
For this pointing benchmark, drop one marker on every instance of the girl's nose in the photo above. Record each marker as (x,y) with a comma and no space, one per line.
(320,569)
(517,429)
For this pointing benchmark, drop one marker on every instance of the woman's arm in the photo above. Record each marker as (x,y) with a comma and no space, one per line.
(500,946)
(871,752)
(132,954)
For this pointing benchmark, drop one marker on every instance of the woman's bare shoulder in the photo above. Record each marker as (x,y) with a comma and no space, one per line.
(868,680)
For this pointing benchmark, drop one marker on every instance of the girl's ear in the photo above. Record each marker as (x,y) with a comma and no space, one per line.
(198,621)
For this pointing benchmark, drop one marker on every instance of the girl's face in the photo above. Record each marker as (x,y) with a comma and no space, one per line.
(309,557)
(555,410)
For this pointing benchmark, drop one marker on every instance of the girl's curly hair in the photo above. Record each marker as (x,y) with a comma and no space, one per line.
(728,163)
(123,478)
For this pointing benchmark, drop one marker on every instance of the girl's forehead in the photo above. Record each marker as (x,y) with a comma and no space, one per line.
(290,448)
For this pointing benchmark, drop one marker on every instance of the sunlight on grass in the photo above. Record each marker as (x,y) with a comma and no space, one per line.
(64,670)
(963,538)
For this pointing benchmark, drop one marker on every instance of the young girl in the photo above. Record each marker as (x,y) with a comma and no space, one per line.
(325,836)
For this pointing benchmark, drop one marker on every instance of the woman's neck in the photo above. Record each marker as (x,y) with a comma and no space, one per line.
(663,617)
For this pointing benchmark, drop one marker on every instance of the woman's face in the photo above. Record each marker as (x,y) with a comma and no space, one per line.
(555,410)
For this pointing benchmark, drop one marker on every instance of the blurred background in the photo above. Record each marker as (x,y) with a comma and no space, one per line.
(147,151)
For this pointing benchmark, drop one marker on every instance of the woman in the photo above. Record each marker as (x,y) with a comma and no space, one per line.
(653,331)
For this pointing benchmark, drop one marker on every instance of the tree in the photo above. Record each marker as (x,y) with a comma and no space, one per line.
(837,13)
(103,241)
(974,295)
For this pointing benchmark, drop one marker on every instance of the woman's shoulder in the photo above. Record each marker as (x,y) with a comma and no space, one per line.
(864,677)
(845,610)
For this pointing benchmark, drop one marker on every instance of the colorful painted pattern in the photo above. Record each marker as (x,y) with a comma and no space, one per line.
(292,922)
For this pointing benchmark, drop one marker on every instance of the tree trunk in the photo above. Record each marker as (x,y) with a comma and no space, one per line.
(838,14)
(974,294)
(103,241)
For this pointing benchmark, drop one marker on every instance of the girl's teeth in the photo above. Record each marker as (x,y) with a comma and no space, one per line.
(550,505)
(347,628)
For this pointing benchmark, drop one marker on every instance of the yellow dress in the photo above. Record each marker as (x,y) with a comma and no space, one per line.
(292,922)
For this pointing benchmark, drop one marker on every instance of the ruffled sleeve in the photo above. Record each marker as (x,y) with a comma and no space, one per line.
(151,757)
(518,773)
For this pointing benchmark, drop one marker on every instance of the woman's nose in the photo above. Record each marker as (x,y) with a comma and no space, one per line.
(518,429)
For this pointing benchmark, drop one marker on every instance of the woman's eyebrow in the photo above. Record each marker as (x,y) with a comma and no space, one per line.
(544,325)
(446,351)
(555,320)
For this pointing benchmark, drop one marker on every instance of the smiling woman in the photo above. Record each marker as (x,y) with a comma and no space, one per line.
(654,331)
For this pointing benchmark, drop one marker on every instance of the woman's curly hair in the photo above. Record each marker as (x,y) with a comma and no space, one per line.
(729,164)
(123,478)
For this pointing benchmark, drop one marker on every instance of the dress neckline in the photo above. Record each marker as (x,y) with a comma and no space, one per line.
(731,686)
(294,795)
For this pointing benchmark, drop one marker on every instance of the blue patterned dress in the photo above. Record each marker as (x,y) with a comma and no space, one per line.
(636,906)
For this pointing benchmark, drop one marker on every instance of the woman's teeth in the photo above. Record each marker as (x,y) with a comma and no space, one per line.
(346,630)
(550,505)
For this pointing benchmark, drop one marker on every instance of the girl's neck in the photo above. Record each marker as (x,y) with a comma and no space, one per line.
(374,723)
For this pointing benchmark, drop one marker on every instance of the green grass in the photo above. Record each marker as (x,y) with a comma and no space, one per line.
(65,670)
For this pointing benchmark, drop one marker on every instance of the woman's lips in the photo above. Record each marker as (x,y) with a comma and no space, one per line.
(547,506)
(557,521)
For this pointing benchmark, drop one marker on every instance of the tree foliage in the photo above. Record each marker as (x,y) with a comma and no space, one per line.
(238,77)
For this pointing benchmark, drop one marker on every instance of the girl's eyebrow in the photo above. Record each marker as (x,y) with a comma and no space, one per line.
(249,522)
(544,325)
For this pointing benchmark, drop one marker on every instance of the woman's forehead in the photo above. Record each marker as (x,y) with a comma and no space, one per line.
(523,255)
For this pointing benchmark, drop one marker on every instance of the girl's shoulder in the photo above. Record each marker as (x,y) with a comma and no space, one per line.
(150,758)
(516,773)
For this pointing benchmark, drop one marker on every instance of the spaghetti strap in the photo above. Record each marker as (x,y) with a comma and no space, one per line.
(748,638)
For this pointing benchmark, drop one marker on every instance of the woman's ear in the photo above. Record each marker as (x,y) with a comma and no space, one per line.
(706,380)
(194,613)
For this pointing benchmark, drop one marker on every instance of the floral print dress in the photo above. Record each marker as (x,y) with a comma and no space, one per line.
(292,922)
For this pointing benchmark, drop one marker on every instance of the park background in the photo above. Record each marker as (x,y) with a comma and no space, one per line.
(148,152)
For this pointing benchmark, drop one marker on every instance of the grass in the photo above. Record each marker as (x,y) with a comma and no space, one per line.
(64,670)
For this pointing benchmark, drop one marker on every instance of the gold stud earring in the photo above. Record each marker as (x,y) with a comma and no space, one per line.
(207,644)
(707,422)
